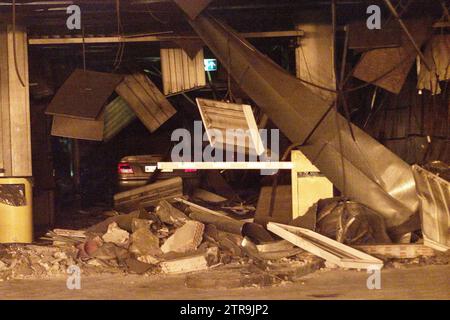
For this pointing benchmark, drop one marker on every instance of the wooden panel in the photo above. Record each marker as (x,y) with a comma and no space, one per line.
(78,128)
(84,94)
(15,143)
(149,104)
(181,73)
(217,115)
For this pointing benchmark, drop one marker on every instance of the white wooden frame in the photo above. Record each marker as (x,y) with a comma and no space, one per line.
(325,248)
(221,116)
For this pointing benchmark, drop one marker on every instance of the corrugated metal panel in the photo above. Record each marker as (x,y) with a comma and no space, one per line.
(434,194)
(181,73)
(118,115)
(145,99)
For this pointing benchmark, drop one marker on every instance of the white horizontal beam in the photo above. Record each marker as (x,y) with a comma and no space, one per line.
(226,165)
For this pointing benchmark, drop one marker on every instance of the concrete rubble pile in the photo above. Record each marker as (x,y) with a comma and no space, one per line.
(176,237)
(164,240)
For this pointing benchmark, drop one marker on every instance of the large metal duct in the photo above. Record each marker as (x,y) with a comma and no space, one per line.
(374,176)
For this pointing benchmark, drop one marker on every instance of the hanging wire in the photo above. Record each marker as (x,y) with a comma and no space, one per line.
(84,49)
(229,95)
(149,11)
(16,67)
(121,48)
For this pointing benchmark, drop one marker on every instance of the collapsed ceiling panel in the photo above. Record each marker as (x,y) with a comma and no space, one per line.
(180,72)
(83,94)
(388,68)
(437,52)
(145,99)
(78,128)
(362,38)
(218,117)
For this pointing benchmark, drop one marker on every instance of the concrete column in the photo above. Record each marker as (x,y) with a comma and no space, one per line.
(15,136)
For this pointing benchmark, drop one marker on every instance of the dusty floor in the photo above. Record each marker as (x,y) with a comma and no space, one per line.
(427,282)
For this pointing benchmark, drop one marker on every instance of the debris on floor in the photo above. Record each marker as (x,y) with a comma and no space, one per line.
(190,235)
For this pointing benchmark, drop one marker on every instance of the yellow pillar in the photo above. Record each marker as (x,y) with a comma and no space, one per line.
(308,184)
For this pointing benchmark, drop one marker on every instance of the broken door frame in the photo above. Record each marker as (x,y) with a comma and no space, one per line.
(325,248)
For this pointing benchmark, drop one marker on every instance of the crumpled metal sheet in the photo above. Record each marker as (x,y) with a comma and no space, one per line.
(434,194)
(375,176)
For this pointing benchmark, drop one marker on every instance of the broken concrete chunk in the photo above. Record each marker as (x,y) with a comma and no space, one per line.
(187,238)
(110,251)
(169,214)
(136,266)
(149,259)
(188,264)
(195,262)
(116,235)
(137,224)
(212,255)
(143,242)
